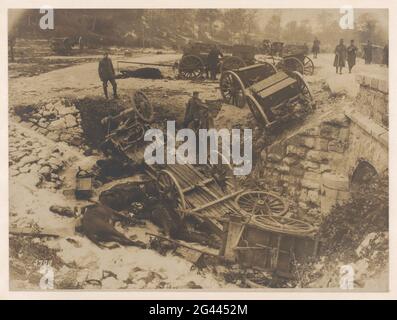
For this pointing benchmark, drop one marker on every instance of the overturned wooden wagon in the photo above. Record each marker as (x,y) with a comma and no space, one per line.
(127,128)
(270,94)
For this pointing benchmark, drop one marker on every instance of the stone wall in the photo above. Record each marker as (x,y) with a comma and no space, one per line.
(295,166)
(58,120)
(373,99)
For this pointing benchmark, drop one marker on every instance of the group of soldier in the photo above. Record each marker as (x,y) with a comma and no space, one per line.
(343,53)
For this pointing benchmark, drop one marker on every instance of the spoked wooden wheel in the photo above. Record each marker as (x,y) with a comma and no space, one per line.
(232,89)
(283,225)
(223,173)
(303,86)
(261,203)
(290,64)
(171,191)
(257,111)
(142,105)
(135,133)
(308,66)
(191,67)
(231,63)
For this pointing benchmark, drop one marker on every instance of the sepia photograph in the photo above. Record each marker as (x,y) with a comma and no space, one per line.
(198,149)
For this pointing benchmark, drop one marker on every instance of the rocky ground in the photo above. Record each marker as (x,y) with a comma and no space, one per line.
(47,144)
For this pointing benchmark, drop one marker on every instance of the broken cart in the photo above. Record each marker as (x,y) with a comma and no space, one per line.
(270,94)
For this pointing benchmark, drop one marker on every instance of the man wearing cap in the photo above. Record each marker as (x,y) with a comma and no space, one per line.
(213,61)
(106,73)
(193,110)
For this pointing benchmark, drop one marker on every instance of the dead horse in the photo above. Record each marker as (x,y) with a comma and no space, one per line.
(97,225)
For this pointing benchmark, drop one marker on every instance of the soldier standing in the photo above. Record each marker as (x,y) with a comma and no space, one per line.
(213,61)
(340,56)
(351,55)
(193,114)
(368,52)
(106,73)
(316,47)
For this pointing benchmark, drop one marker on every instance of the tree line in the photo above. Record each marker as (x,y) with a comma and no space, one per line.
(175,27)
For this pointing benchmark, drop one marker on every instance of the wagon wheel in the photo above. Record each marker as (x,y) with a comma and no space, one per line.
(223,172)
(191,67)
(308,66)
(232,89)
(231,63)
(257,111)
(142,105)
(135,134)
(303,87)
(290,64)
(171,191)
(261,203)
(283,225)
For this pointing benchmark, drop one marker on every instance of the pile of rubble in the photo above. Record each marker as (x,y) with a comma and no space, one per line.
(33,155)
(58,120)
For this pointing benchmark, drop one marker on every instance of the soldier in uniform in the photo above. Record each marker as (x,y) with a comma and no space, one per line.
(351,55)
(213,61)
(368,52)
(316,47)
(106,73)
(193,114)
(340,56)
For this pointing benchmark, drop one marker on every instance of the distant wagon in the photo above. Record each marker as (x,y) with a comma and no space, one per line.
(241,56)
(62,46)
(193,63)
(292,57)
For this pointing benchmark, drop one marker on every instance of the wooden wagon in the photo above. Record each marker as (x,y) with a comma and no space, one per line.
(211,192)
(241,56)
(270,94)
(290,57)
(193,63)
(126,129)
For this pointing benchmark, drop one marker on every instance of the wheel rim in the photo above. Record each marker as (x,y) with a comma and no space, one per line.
(261,203)
(231,63)
(232,89)
(291,64)
(191,67)
(135,133)
(171,191)
(283,225)
(308,66)
(143,107)
(256,110)
(303,86)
